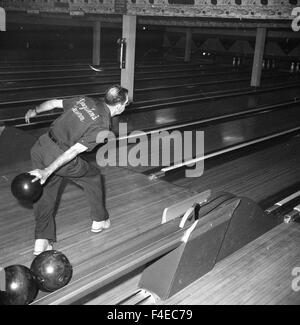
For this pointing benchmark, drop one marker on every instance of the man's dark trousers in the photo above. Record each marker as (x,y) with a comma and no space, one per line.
(87,176)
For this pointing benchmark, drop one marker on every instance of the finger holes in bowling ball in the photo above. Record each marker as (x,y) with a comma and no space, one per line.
(52,270)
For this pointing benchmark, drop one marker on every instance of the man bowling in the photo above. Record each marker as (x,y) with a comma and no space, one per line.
(55,156)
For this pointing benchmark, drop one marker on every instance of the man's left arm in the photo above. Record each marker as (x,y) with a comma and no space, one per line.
(43,107)
(68,155)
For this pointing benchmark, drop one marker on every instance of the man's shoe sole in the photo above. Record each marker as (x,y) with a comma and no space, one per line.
(99,230)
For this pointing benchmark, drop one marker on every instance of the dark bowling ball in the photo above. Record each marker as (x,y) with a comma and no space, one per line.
(24,190)
(20,286)
(52,270)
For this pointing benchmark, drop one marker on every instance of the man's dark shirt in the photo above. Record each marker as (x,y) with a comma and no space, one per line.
(83,118)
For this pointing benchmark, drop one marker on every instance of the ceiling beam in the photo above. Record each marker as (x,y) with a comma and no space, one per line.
(218,23)
(62,20)
(247,33)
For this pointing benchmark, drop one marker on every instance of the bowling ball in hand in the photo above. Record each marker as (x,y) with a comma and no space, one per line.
(20,286)
(24,190)
(52,270)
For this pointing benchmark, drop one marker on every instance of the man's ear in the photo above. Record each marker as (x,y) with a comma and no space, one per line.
(116,109)
(120,108)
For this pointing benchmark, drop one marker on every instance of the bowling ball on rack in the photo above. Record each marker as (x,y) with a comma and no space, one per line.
(24,190)
(20,286)
(51,270)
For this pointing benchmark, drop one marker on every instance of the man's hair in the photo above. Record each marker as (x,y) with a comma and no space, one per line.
(115,95)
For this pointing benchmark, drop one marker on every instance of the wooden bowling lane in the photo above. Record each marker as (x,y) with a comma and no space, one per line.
(32,78)
(206,109)
(153,95)
(135,205)
(36,62)
(12,113)
(50,64)
(81,88)
(263,173)
(143,96)
(92,79)
(43,81)
(91,71)
(15,68)
(79,71)
(213,137)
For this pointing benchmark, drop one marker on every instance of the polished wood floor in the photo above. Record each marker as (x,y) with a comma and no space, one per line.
(136,205)
(262,173)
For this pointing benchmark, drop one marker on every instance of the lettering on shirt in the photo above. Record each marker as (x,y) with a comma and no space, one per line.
(81,105)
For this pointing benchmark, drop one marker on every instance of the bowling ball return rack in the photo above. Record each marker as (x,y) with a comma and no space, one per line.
(194,235)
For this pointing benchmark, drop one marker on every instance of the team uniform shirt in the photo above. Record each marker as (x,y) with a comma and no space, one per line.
(83,118)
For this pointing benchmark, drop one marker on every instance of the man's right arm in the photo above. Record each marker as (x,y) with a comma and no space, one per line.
(44,107)
(49,105)
(71,153)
